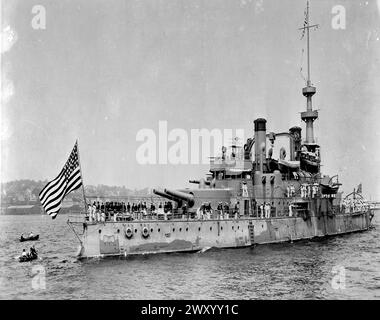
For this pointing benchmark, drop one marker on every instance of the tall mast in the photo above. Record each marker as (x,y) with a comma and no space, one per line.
(310,115)
(308,44)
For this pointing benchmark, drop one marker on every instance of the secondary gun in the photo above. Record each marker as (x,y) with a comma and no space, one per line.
(189,198)
(167,196)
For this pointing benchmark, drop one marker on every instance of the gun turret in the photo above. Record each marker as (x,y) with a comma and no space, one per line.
(167,196)
(189,198)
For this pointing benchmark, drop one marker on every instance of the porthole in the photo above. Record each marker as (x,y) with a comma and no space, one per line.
(221,228)
(151,230)
(173,229)
(135,230)
(158,229)
(118,230)
(100,231)
(187,229)
(199,229)
(238,227)
(232,227)
(210,228)
(180,229)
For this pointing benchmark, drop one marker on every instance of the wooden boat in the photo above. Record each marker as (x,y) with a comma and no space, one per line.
(329,188)
(34,238)
(28,257)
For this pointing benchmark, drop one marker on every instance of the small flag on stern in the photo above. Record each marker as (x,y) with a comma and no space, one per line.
(69,179)
(359,189)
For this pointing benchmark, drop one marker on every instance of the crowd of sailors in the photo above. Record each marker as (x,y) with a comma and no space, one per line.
(306,190)
(223,211)
(106,211)
(354,205)
(102,211)
(116,211)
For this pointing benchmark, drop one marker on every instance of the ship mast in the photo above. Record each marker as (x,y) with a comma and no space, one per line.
(310,115)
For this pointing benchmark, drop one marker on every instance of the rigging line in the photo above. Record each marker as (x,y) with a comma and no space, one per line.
(301,68)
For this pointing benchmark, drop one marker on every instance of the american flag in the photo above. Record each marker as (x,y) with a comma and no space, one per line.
(69,179)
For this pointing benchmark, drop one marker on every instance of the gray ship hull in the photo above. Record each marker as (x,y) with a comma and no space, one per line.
(112,239)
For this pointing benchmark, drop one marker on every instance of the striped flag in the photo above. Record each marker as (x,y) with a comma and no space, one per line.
(69,179)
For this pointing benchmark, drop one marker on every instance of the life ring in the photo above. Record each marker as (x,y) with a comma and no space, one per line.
(129,233)
(145,232)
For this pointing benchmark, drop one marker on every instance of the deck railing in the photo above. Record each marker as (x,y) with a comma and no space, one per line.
(179,214)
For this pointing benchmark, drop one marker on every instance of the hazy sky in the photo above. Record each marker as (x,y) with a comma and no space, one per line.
(103,70)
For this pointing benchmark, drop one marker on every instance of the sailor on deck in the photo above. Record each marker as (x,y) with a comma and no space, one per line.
(267,210)
(93,212)
(314,190)
(199,212)
(303,190)
(292,190)
(290,210)
(98,216)
(89,212)
(226,209)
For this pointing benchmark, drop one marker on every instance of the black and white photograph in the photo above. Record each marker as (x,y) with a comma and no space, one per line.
(190,150)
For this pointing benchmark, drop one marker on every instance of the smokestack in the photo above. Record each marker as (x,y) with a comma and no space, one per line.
(260,144)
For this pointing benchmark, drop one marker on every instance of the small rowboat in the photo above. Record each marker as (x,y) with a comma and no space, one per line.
(28,257)
(34,238)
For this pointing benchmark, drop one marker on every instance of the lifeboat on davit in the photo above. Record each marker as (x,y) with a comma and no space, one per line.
(329,186)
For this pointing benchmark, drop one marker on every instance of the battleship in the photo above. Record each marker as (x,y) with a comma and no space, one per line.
(249,197)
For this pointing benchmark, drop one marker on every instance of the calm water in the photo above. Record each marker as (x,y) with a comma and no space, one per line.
(300,270)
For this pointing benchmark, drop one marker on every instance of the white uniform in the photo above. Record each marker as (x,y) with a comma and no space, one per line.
(267,211)
(290,211)
(93,212)
(199,214)
(303,191)
(292,191)
(89,211)
(315,190)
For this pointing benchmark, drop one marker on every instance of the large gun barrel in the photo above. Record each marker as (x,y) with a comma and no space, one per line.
(189,198)
(165,195)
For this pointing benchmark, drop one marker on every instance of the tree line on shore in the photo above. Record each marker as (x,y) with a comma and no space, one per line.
(26,191)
